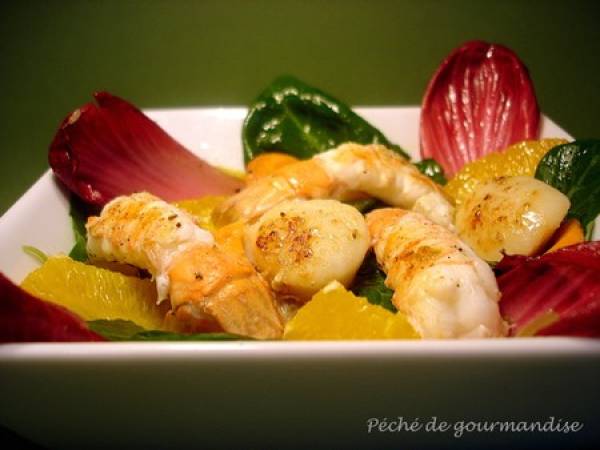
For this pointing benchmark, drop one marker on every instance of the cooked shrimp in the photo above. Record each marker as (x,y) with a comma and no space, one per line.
(339,174)
(439,283)
(304,179)
(231,238)
(267,163)
(215,290)
(146,232)
(209,288)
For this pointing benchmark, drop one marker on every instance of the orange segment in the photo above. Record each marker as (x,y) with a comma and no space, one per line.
(95,293)
(201,209)
(518,159)
(569,233)
(335,313)
(538,323)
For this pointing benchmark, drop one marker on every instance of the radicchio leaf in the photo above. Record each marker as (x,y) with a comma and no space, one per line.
(25,318)
(558,291)
(110,149)
(479,100)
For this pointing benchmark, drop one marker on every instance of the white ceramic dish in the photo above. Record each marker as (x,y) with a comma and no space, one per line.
(276,393)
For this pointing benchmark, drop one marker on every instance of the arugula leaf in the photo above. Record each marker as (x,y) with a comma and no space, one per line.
(36,253)
(78,220)
(433,170)
(574,169)
(292,117)
(125,330)
(79,212)
(156,335)
(115,330)
(369,283)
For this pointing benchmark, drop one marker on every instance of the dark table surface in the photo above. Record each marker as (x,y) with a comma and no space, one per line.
(53,55)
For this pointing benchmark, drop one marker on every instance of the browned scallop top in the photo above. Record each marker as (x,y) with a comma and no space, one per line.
(287,233)
(496,213)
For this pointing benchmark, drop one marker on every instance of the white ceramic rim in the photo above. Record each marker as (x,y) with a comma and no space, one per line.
(541,347)
(120,351)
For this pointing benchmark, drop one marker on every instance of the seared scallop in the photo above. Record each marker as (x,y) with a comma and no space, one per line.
(512,215)
(299,246)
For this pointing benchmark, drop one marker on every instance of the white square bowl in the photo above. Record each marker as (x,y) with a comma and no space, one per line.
(277,394)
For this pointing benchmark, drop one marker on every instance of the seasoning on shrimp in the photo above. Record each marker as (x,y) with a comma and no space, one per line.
(343,173)
(209,287)
(445,290)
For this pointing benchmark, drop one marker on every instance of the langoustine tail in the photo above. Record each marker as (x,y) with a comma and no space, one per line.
(443,287)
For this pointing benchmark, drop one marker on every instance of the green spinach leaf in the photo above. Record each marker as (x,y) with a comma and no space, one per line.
(369,283)
(125,330)
(366,205)
(574,169)
(292,117)
(433,170)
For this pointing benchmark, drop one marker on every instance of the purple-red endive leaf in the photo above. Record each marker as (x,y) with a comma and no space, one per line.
(481,99)
(111,148)
(557,293)
(25,318)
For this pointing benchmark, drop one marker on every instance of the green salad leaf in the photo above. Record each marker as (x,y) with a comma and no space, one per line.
(369,283)
(115,330)
(35,252)
(156,335)
(574,169)
(433,170)
(366,205)
(79,213)
(125,330)
(292,117)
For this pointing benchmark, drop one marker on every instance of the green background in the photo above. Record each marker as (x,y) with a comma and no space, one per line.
(53,55)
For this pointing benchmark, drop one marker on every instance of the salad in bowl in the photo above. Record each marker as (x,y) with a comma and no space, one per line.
(332,231)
